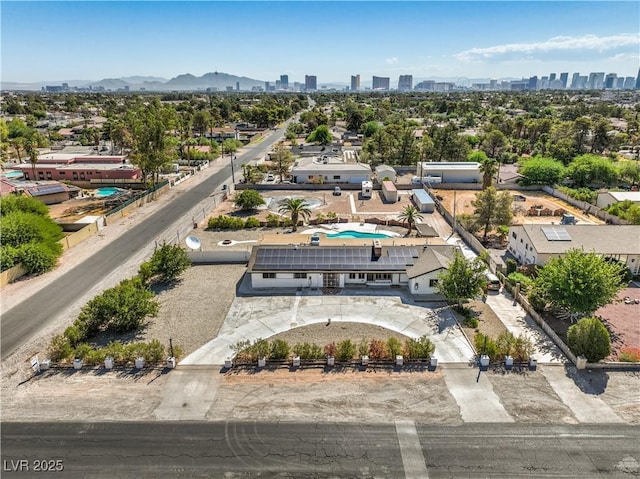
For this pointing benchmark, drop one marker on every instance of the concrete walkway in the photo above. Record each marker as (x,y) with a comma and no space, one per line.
(188,395)
(475,396)
(252,318)
(517,321)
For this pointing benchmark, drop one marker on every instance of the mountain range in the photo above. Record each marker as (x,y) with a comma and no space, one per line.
(187,82)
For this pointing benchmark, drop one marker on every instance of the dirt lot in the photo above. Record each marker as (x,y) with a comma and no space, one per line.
(488,322)
(463,199)
(622,321)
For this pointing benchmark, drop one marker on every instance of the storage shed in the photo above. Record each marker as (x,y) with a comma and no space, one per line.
(423,201)
(389,192)
(385,172)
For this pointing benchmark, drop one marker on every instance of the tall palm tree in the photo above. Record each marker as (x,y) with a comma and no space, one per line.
(32,150)
(296,207)
(488,168)
(410,214)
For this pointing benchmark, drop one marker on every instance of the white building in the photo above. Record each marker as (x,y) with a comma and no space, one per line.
(385,172)
(389,192)
(607,198)
(536,244)
(423,201)
(451,171)
(329,170)
(298,266)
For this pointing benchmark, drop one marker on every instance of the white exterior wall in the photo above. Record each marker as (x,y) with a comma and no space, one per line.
(420,284)
(286,280)
(521,248)
(343,175)
(424,207)
(390,195)
(604,200)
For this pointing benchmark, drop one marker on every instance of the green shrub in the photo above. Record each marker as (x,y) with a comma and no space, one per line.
(95,356)
(252,222)
(169,261)
(279,349)
(470,323)
(223,222)
(485,345)
(394,347)
(629,354)
(8,257)
(60,348)
(74,334)
(273,220)
(512,265)
(37,258)
(248,200)
(536,301)
(363,348)
(346,350)
(261,348)
(525,281)
(589,338)
(27,204)
(82,351)
(117,351)
(421,348)
(519,348)
(308,351)
(153,351)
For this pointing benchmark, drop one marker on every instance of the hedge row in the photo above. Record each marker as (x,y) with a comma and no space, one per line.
(153,352)
(345,350)
(506,344)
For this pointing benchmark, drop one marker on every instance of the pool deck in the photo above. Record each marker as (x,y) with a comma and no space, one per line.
(305,238)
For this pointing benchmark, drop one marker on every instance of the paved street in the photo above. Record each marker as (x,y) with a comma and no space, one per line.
(25,319)
(263,449)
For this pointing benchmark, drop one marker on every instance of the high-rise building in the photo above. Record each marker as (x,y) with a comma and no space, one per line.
(638,80)
(574,81)
(533,83)
(610,81)
(237,86)
(596,81)
(552,77)
(380,83)
(563,78)
(284,82)
(355,82)
(544,83)
(310,82)
(405,82)
(619,83)
(267,86)
(629,83)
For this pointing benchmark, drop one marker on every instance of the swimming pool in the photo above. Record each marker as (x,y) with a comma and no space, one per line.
(356,234)
(13,174)
(102,192)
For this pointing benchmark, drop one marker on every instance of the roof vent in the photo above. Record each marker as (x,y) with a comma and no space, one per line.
(376,249)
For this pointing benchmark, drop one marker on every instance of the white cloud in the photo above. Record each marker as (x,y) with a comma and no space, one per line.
(391,61)
(561,44)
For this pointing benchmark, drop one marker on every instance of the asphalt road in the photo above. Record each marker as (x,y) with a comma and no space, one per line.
(23,321)
(253,449)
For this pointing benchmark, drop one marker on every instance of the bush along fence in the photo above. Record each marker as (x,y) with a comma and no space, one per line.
(344,353)
(586,207)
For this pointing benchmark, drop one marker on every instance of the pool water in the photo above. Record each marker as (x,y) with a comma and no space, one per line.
(13,174)
(102,192)
(356,234)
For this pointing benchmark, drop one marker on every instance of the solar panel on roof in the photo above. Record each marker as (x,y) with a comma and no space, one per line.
(556,234)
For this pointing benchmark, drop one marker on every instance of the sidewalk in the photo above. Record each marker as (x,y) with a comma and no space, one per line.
(519,322)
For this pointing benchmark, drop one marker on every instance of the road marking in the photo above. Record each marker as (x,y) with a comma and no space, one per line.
(411,451)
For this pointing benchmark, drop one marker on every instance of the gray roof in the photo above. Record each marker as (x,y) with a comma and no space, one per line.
(434,258)
(602,239)
(426,230)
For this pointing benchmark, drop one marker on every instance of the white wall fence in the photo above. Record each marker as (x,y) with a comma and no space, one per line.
(220,257)
(586,207)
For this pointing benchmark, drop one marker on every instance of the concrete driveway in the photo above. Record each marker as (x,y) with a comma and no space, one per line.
(251,318)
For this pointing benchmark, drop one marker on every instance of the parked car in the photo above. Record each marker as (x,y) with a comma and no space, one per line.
(337,191)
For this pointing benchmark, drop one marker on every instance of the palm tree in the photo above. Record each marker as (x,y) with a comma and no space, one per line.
(410,214)
(488,168)
(32,150)
(296,207)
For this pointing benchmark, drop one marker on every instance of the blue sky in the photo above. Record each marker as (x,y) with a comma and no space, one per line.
(333,40)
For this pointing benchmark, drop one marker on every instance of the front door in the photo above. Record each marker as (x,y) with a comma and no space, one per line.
(331,280)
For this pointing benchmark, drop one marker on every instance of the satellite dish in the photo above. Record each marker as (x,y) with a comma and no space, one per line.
(193,242)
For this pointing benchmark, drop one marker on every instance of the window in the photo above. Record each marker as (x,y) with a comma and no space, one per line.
(75,175)
(336,177)
(300,275)
(352,276)
(62,172)
(40,175)
(360,275)
(515,236)
(48,175)
(433,283)
(268,275)
(520,240)
(82,175)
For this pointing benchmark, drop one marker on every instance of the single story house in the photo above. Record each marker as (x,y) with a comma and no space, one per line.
(81,173)
(607,198)
(386,172)
(451,171)
(49,192)
(536,244)
(329,170)
(306,266)
(423,201)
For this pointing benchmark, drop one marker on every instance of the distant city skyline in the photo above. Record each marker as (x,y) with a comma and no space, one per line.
(63,41)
